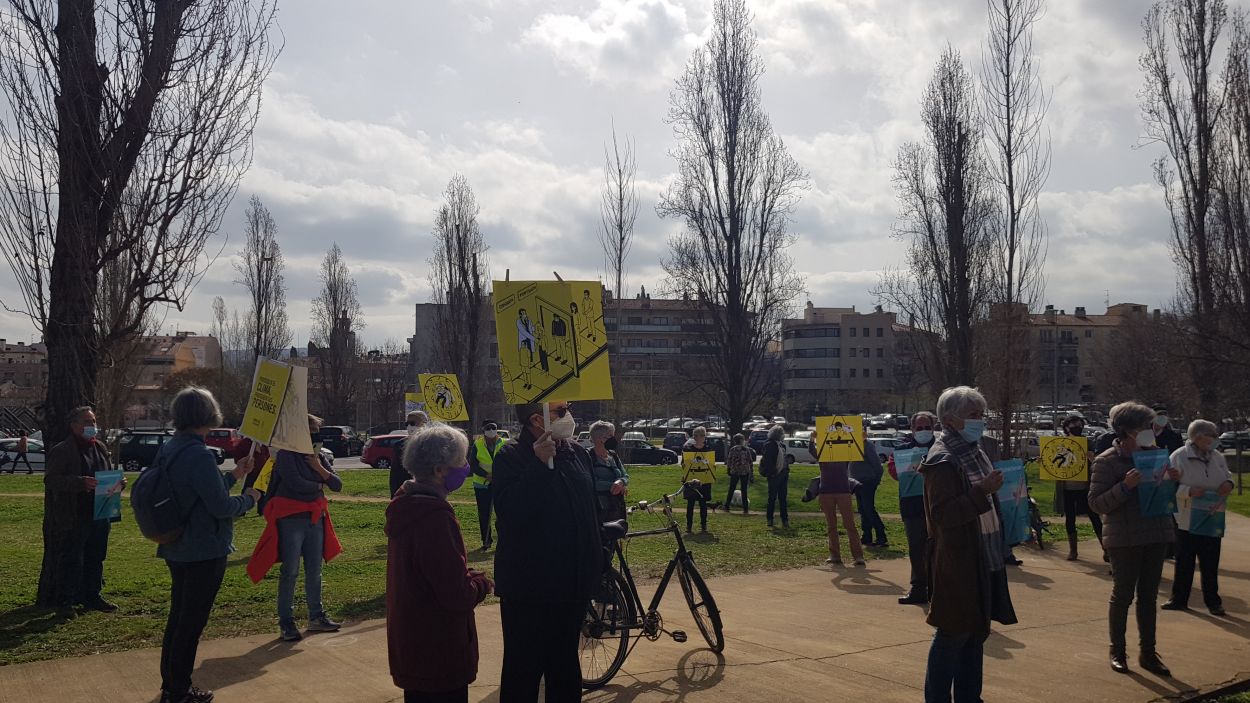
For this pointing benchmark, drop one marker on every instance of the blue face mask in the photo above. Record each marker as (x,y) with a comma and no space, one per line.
(972,431)
(923,437)
(88,432)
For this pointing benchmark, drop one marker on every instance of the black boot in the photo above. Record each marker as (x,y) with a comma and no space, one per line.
(1072,556)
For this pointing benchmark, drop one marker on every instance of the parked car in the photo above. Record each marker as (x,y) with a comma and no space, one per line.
(137,450)
(674,441)
(34,452)
(640,451)
(1028,447)
(1231,440)
(379,452)
(885,445)
(341,440)
(757,439)
(224,438)
(634,435)
(797,451)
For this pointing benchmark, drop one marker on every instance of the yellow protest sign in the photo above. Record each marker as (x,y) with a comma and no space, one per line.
(840,438)
(262,479)
(1064,458)
(441,394)
(291,432)
(269,385)
(700,465)
(552,341)
(413,401)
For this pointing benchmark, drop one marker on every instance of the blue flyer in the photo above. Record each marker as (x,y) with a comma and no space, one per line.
(906,463)
(108,495)
(1206,516)
(1156,495)
(1013,501)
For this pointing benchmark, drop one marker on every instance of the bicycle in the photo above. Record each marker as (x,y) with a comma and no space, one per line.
(616,614)
(1037,526)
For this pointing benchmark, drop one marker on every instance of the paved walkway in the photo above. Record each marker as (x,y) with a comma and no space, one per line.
(803,635)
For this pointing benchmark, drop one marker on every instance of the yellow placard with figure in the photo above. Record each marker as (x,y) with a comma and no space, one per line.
(553,344)
(269,386)
(441,394)
(700,465)
(840,438)
(1064,458)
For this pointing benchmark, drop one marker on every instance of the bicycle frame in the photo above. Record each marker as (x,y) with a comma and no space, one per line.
(680,555)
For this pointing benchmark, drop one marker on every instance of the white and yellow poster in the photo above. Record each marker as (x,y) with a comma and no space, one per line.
(291,431)
(700,465)
(840,438)
(552,341)
(441,394)
(269,386)
(1064,459)
(413,401)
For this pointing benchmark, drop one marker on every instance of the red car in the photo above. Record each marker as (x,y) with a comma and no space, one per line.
(379,452)
(224,438)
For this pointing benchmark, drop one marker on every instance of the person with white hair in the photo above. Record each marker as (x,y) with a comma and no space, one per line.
(431,633)
(1204,472)
(611,481)
(773,466)
(968,579)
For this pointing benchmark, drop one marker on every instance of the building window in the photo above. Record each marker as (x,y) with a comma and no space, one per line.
(633,320)
(867,331)
(852,373)
(659,320)
(1089,334)
(837,332)
(880,331)
(880,373)
(635,343)
(854,351)
(880,352)
(1046,335)
(837,373)
(867,373)
(836,353)
(635,366)
(661,343)
(852,331)
(866,352)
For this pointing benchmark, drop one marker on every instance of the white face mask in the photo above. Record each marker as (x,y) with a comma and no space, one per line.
(1161,421)
(1145,438)
(491,434)
(564,427)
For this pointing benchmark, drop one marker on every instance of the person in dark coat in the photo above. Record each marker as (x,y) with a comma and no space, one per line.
(74,543)
(773,466)
(911,509)
(548,560)
(431,592)
(968,582)
(416,420)
(1071,496)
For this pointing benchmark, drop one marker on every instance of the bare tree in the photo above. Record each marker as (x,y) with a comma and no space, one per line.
(1183,112)
(128,126)
(121,360)
(458,280)
(735,189)
(618,213)
(337,321)
(1013,110)
(234,374)
(948,213)
(389,368)
(260,271)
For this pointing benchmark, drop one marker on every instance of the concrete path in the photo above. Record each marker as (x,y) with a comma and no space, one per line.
(803,635)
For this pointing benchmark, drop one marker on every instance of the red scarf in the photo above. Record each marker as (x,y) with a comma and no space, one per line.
(265,555)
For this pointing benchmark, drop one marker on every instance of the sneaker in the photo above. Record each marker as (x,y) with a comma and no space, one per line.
(290,633)
(859,562)
(322,623)
(913,598)
(196,695)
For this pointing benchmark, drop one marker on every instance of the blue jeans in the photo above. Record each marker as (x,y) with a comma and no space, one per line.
(954,660)
(870,522)
(778,492)
(299,537)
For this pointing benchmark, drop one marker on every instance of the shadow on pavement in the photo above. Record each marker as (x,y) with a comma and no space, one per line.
(1029,579)
(1163,688)
(999,646)
(698,670)
(862,582)
(227,671)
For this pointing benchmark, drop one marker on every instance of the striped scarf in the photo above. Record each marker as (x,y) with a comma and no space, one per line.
(976,466)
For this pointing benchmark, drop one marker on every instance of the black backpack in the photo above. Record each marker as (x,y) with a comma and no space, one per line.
(155,504)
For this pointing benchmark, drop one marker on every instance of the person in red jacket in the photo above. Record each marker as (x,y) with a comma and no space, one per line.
(431,592)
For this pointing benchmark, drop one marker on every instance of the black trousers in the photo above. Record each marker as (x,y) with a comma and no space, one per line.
(1136,572)
(540,641)
(778,492)
(743,483)
(80,562)
(917,552)
(1206,550)
(398,476)
(18,455)
(460,695)
(702,496)
(482,494)
(1073,502)
(195,586)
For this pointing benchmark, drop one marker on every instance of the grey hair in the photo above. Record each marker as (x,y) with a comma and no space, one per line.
(1202,427)
(960,402)
(194,407)
(776,432)
(418,415)
(602,429)
(700,431)
(432,447)
(77,413)
(1130,417)
(922,415)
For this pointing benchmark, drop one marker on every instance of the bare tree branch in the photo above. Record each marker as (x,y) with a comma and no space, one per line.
(337,321)
(618,213)
(259,269)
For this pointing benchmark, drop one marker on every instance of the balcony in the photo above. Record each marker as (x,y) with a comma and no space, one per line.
(647,350)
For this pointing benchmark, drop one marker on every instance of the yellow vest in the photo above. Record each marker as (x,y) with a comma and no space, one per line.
(485,458)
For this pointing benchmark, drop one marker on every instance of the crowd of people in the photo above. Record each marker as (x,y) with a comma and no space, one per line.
(548,496)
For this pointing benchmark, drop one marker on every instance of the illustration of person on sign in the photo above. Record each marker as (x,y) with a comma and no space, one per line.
(527,340)
(443,396)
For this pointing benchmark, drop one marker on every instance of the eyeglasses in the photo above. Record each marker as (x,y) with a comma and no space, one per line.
(561,412)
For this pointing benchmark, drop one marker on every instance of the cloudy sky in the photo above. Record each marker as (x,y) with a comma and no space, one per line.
(374,105)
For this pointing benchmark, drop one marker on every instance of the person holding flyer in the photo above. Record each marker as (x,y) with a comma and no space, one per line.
(1135,543)
(1203,474)
(911,508)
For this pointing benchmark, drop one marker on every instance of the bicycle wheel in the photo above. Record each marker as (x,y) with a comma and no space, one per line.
(1035,522)
(702,605)
(605,631)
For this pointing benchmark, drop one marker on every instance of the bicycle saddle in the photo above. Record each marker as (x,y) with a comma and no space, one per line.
(615,529)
